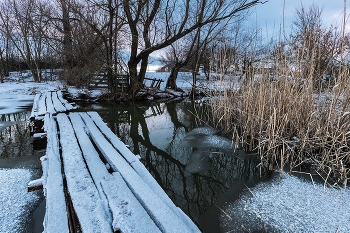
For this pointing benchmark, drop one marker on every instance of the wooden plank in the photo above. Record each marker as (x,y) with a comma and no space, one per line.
(82,190)
(139,168)
(57,103)
(35,107)
(56,219)
(128,214)
(42,110)
(38,183)
(49,104)
(165,218)
(66,104)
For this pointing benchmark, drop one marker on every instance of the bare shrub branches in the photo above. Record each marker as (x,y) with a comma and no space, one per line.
(296,112)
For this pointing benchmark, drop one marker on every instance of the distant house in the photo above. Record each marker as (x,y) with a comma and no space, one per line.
(166,68)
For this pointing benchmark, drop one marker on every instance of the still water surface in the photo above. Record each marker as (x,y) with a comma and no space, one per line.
(19,164)
(200,183)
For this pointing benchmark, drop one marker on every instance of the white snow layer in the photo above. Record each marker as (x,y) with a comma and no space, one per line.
(15,199)
(290,204)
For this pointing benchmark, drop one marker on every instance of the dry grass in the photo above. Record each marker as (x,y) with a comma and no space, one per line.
(289,124)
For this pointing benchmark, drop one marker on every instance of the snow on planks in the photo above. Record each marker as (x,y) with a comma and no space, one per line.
(82,189)
(138,167)
(49,102)
(127,213)
(166,215)
(56,219)
(109,187)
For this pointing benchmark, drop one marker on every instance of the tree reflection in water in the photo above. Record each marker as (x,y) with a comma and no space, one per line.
(154,132)
(14,135)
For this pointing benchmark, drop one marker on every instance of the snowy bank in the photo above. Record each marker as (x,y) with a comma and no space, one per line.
(16,202)
(289,204)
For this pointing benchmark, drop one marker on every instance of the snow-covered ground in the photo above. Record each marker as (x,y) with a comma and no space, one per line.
(289,204)
(16,202)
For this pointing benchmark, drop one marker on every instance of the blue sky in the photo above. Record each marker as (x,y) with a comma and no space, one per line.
(269,15)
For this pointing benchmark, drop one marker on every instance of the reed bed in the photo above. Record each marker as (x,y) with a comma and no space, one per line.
(289,123)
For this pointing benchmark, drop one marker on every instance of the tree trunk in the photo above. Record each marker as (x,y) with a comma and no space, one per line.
(134,84)
(67,38)
(143,70)
(7,58)
(2,66)
(110,70)
(36,73)
(109,51)
(194,83)
(171,82)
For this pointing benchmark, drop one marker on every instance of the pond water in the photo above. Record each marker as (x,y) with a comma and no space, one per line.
(199,179)
(19,164)
(197,173)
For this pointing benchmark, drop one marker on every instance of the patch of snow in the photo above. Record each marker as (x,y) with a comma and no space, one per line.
(12,103)
(15,200)
(289,204)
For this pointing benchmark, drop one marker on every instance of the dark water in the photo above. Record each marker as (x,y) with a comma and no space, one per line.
(156,132)
(16,152)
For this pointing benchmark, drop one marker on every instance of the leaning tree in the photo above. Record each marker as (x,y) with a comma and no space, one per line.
(156,24)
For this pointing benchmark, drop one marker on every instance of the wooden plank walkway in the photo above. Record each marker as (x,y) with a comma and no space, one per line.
(49,102)
(94,183)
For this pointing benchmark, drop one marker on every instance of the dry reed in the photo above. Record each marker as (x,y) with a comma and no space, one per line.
(288,122)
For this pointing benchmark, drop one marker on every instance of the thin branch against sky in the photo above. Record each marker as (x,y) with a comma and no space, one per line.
(275,14)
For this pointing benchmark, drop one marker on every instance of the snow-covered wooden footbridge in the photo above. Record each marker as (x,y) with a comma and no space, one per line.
(93,183)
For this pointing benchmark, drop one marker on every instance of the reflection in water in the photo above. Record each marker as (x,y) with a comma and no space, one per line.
(193,178)
(198,161)
(17,157)
(14,135)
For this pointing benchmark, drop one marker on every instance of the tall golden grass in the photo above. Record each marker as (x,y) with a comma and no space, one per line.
(289,123)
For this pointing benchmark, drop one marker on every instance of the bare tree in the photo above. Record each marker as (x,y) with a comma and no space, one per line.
(314,46)
(4,53)
(185,53)
(68,59)
(2,65)
(180,18)
(105,21)
(23,24)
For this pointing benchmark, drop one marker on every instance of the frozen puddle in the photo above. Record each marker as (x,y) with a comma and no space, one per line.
(289,204)
(16,203)
(12,104)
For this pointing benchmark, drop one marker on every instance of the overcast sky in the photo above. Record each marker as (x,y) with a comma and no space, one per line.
(269,15)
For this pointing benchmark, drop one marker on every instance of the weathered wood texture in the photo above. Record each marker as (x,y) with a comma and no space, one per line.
(109,189)
(49,102)
(94,183)
(101,82)
(56,219)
